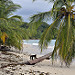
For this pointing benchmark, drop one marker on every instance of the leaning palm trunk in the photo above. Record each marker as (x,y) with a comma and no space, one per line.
(32,62)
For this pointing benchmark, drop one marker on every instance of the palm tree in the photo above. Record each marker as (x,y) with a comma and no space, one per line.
(10,32)
(63,16)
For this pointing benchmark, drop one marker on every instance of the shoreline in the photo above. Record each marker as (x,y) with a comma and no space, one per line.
(45,67)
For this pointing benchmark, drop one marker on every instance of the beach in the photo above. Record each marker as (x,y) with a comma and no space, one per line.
(37,37)
(44,67)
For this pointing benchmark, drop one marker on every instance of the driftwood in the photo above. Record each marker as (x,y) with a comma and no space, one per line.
(12,64)
(30,62)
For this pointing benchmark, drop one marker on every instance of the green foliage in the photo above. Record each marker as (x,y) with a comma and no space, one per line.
(36,32)
(25,25)
(10,24)
(63,16)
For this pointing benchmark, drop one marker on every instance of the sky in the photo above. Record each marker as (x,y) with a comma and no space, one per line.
(29,8)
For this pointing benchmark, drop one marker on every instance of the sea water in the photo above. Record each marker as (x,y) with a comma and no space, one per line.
(36,42)
(32,47)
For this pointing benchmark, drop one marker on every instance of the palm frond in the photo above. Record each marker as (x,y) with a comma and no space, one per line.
(65,42)
(16,17)
(47,35)
(57,44)
(11,9)
(41,16)
(11,25)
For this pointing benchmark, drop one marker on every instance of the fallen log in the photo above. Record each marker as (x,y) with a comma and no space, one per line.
(12,64)
(32,62)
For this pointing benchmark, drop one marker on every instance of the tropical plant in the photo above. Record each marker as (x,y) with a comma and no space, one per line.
(63,16)
(35,32)
(10,32)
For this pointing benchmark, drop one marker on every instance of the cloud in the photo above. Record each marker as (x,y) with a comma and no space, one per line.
(30,8)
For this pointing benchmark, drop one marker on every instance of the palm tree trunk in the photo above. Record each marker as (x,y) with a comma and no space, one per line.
(32,62)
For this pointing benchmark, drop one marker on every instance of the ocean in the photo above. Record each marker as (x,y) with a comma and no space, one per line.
(32,47)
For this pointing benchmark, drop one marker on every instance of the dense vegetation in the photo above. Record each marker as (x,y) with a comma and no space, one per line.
(36,34)
(63,15)
(12,29)
(10,32)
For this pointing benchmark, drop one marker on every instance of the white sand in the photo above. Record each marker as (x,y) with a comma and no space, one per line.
(43,68)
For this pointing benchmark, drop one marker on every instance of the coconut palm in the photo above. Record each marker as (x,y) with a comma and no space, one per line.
(63,16)
(10,32)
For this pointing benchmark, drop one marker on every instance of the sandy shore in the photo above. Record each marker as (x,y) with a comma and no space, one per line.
(43,68)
